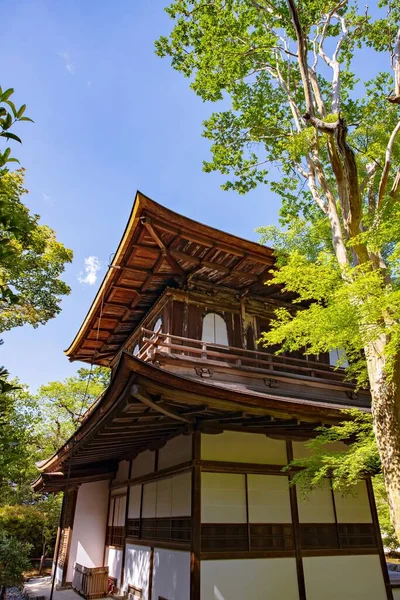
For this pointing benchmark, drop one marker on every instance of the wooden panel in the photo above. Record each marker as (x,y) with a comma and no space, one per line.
(194,321)
(177,318)
(237,336)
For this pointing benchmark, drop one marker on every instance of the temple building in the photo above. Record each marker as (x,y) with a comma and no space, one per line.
(175,476)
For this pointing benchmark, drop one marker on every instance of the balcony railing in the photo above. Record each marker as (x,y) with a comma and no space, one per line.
(156,345)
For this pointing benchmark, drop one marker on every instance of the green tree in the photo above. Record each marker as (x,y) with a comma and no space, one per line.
(18,443)
(32,427)
(297,102)
(355,458)
(13,562)
(64,403)
(31,261)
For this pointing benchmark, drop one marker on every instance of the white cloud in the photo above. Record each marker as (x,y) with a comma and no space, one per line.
(69,65)
(92,266)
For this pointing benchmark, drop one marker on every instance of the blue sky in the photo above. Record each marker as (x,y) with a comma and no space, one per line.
(110,118)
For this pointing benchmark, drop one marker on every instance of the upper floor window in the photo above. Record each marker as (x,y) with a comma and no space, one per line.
(157,325)
(337,358)
(214,329)
(136,350)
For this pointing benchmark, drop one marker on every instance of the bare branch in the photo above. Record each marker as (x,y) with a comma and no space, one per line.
(388,162)
(394,192)
(302,57)
(368,179)
(396,68)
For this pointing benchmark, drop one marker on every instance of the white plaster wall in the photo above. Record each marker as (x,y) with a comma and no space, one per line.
(223,498)
(317,506)
(114,563)
(353,508)
(344,578)
(300,449)
(119,511)
(240,447)
(171,574)
(164,497)
(143,464)
(269,499)
(137,568)
(175,451)
(89,528)
(255,579)
(169,497)
(134,502)
(149,500)
(181,495)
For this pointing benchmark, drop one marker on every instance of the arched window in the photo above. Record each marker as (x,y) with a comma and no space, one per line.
(136,350)
(214,329)
(337,358)
(158,324)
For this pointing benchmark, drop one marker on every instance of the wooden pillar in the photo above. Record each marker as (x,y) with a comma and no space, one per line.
(196,519)
(296,529)
(108,517)
(128,491)
(69,524)
(378,537)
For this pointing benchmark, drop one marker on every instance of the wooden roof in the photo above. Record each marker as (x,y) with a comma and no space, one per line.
(145,405)
(161,248)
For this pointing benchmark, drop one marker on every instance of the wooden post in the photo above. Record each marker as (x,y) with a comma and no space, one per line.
(196,519)
(296,529)
(128,491)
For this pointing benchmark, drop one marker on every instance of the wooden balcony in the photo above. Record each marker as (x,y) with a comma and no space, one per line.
(168,349)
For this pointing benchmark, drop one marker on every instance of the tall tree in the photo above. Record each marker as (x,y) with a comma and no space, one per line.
(64,403)
(31,258)
(297,101)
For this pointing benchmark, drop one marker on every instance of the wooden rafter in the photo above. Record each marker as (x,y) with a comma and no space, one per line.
(160,406)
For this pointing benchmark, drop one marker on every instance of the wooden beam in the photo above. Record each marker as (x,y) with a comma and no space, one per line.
(164,249)
(139,393)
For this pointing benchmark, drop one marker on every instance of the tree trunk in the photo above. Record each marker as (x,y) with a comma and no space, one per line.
(3,593)
(385,392)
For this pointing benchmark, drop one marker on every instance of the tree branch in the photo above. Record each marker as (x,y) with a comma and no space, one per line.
(396,68)
(387,165)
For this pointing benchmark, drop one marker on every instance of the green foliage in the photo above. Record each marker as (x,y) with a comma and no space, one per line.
(345,464)
(244,53)
(33,426)
(13,561)
(64,403)
(23,523)
(346,453)
(31,261)
(18,442)
(36,523)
